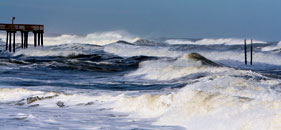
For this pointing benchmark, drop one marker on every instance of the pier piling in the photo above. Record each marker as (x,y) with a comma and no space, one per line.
(251,52)
(42,39)
(26,39)
(21,39)
(10,41)
(7,40)
(245,48)
(35,39)
(39,38)
(14,41)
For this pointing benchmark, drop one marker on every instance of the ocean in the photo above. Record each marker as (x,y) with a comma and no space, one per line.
(117,81)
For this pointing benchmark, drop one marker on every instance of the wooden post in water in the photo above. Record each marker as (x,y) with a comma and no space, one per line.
(42,39)
(251,52)
(14,41)
(35,40)
(14,35)
(7,40)
(21,39)
(10,41)
(245,48)
(26,39)
(39,38)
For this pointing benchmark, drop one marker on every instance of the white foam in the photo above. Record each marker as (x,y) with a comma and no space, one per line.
(58,50)
(271,48)
(41,52)
(261,60)
(217,104)
(171,69)
(207,41)
(79,111)
(7,94)
(96,38)
(236,59)
(132,50)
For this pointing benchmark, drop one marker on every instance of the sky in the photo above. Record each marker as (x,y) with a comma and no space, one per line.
(258,19)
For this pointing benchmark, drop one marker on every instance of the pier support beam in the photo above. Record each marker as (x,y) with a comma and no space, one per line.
(251,52)
(39,38)
(25,40)
(10,41)
(7,40)
(14,41)
(22,40)
(35,39)
(42,39)
(245,48)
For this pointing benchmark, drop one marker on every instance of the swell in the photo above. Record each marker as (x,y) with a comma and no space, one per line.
(84,62)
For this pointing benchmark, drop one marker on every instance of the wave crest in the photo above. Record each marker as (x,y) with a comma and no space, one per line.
(208,41)
(97,38)
(167,69)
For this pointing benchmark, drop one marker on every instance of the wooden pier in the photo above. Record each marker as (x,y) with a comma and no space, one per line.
(12,29)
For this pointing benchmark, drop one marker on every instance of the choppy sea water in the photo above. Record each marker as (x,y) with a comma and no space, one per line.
(141,84)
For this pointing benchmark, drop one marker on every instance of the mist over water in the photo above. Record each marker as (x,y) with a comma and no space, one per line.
(116,80)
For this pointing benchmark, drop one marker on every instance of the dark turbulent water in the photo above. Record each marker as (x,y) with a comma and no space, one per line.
(141,85)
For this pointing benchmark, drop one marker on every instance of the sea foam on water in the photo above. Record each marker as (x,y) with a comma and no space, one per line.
(105,84)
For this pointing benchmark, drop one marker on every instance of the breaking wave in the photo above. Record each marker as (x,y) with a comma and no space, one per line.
(224,101)
(168,69)
(116,80)
(219,103)
(273,47)
(132,50)
(97,38)
(226,41)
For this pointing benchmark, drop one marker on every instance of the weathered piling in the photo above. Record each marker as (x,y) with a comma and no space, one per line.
(245,49)
(42,36)
(35,39)
(10,41)
(25,39)
(7,40)
(14,41)
(21,39)
(39,39)
(251,52)
(38,31)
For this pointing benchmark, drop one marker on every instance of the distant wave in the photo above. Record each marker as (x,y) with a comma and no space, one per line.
(272,48)
(132,50)
(96,38)
(207,41)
